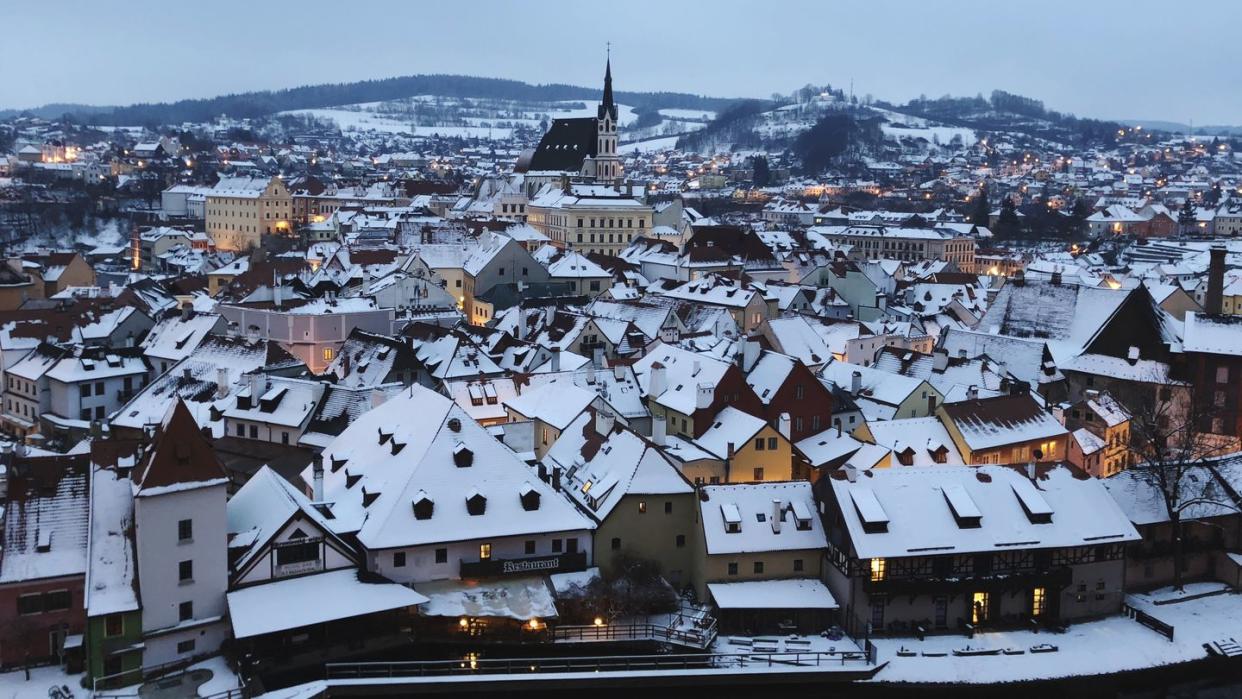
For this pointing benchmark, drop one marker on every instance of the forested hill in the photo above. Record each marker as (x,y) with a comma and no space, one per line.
(256,104)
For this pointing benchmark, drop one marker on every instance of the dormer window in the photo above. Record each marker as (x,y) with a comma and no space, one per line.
(423,505)
(802,516)
(529,497)
(368,498)
(397,447)
(351,479)
(462,456)
(732,518)
(383,436)
(476,503)
(336,464)
(965,512)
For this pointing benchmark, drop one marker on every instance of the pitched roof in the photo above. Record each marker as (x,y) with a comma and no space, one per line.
(565,145)
(180,458)
(899,512)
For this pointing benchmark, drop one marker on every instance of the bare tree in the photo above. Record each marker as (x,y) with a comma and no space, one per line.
(1175,455)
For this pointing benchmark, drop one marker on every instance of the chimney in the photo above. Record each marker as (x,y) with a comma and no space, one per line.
(659,434)
(703,397)
(856,383)
(604,421)
(377,398)
(1030,470)
(276,293)
(549,314)
(776,516)
(961,353)
(730,448)
(784,425)
(1133,355)
(597,357)
(222,381)
(972,392)
(317,473)
(618,372)
(543,472)
(256,387)
(695,368)
(1216,280)
(556,360)
(556,478)
(940,360)
(750,354)
(1056,277)
(187,374)
(658,381)
(851,473)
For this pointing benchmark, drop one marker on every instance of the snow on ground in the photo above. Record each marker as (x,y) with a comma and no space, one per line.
(932,134)
(222,677)
(654,145)
(1116,644)
(387,117)
(14,684)
(688,114)
(785,644)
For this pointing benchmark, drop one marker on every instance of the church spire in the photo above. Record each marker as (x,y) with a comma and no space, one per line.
(606,104)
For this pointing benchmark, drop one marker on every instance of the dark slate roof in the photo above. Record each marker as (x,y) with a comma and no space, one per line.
(565,145)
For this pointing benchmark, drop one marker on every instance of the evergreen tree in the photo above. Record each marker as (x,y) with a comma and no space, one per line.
(1186,218)
(761,175)
(1007,224)
(1213,195)
(979,214)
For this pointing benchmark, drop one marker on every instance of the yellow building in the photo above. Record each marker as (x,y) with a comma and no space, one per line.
(751,450)
(595,218)
(761,531)
(1010,429)
(240,210)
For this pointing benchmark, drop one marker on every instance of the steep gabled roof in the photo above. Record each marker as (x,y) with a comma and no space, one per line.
(181,458)
(565,145)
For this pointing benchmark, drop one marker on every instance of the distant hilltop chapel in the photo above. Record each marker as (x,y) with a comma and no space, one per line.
(581,146)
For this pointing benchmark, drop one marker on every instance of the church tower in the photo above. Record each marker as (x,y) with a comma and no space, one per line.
(607,162)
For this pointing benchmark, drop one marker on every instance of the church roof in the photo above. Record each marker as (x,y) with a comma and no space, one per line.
(566,145)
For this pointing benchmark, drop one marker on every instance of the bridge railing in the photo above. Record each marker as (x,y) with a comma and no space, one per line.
(606,663)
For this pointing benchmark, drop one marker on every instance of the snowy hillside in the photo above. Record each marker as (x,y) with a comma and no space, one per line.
(492,119)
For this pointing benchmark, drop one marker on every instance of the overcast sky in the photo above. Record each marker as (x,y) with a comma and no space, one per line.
(1140,59)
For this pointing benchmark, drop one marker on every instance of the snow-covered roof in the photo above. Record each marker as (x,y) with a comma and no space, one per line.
(304,601)
(739,518)
(772,594)
(520,598)
(556,404)
(419,445)
(730,427)
(899,512)
(112,571)
(993,422)
(1213,334)
(924,437)
(601,469)
(45,533)
(684,371)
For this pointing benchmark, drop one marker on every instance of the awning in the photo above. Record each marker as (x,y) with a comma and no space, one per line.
(520,598)
(772,594)
(312,599)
